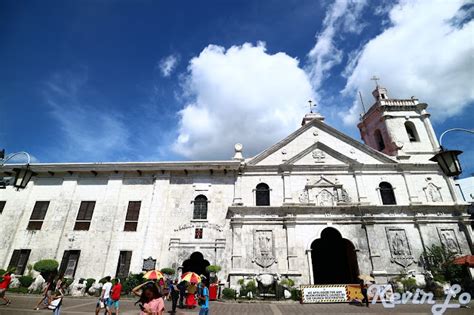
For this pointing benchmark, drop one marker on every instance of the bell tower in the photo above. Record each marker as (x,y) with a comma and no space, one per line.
(398,127)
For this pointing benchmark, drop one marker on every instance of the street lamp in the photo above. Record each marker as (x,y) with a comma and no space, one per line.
(23,174)
(448,159)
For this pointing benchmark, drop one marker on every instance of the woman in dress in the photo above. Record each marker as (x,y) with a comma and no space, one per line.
(151,300)
(191,296)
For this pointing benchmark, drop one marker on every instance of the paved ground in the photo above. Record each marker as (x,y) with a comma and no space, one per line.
(23,304)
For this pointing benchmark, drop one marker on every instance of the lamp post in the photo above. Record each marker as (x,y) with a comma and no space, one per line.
(448,159)
(23,174)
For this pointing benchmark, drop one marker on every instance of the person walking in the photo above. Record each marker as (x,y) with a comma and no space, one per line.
(151,300)
(57,299)
(175,294)
(48,290)
(104,299)
(4,284)
(191,295)
(204,299)
(182,293)
(115,296)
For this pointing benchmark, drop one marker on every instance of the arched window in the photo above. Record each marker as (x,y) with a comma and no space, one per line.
(386,192)
(379,140)
(200,207)
(411,131)
(262,195)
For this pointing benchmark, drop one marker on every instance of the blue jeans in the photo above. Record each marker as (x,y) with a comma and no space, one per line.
(204,311)
(57,310)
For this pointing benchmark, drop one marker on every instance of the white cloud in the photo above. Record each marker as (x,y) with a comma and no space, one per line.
(242,94)
(421,54)
(89,133)
(168,64)
(343,16)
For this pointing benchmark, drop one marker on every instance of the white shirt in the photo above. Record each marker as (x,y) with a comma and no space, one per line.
(106,288)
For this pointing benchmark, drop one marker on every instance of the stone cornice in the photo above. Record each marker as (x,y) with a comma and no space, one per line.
(130,166)
(355,210)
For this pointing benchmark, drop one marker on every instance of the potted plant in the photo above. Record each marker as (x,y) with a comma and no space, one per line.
(213,270)
(46,267)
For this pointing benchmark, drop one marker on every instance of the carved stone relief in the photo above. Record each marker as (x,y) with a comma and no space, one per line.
(319,156)
(324,192)
(449,240)
(325,199)
(264,248)
(399,247)
(432,192)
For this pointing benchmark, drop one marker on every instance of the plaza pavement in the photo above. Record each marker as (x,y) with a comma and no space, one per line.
(23,304)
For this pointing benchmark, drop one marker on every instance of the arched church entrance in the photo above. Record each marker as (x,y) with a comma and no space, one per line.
(334,259)
(196,263)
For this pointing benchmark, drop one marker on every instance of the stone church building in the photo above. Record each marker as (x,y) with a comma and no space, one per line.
(318,207)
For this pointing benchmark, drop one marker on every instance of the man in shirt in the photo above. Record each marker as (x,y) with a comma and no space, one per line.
(4,284)
(204,298)
(105,297)
(115,296)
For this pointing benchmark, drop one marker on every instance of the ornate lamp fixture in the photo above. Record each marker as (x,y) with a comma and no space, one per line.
(23,174)
(448,159)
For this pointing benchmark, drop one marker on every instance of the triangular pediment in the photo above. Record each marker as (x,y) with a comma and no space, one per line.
(317,143)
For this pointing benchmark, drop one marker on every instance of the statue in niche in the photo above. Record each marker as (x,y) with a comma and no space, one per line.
(449,241)
(398,245)
(432,193)
(325,198)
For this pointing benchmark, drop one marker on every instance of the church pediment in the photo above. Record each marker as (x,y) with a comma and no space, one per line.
(318,154)
(317,143)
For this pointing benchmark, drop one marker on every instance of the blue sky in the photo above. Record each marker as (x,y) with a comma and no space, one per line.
(172,80)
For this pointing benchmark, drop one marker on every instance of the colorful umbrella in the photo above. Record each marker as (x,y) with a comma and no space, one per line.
(467,260)
(153,275)
(191,277)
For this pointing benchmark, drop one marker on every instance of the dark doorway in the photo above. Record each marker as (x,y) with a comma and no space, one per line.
(334,259)
(196,263)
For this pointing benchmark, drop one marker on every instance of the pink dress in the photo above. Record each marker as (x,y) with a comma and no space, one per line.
(154,306)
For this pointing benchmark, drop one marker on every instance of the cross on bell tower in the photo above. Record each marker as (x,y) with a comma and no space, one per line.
(380,93)
(311,106)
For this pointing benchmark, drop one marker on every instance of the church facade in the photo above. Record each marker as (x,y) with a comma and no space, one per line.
(318,207)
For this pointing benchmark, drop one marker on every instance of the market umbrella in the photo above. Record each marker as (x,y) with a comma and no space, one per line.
(467,260)
(366,278)
(153,275)
(191,277)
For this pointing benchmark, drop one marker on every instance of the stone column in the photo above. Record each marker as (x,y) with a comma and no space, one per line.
(111,200)
(237,246)
(66,198)
(287,198)
(413,198)
(360,188)
(238,190)
(373,240)
(291,246)
(425,118)
(310,266)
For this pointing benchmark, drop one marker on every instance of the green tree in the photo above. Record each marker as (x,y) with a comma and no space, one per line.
(439,261)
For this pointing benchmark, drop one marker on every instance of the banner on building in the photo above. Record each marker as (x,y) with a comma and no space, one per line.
(330,293)
(335,293)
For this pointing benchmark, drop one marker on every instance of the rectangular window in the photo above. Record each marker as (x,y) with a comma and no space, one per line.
(84,216)
(69,263)
(19,260)
(38,214)
(123,266)
(2,206)
(133,212)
